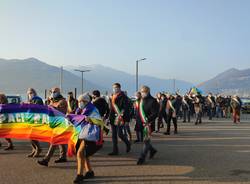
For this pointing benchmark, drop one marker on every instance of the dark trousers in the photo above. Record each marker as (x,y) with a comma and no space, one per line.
(210,113)
(174,119)
(119,131)
(139,135)
(159,122)
(128,131)
(147,146)
(52,148)
(186,115)
(198,117)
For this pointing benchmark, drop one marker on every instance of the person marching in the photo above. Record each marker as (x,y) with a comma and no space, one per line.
(160,98)
(171,114)
(101,104)
(138,123)
(58,102)
(148,111)
(4,100)
(90,138)
(236,104)
(119,115)
(186,109)
(198,109)
(34,99)
(210,105)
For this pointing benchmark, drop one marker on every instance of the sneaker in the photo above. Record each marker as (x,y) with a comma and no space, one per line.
(166,133)
(79,179)
(43,162)
(89,175)
(140,161)
(152,154)
(61,160)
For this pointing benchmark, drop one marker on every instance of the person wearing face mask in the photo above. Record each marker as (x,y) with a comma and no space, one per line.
(119,115)
(87,145)
(34,99)
(148,111)
(58,102)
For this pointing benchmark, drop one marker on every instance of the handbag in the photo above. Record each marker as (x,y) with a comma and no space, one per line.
(90,132)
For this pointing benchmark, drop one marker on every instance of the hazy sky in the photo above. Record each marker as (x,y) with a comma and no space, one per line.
(191,40)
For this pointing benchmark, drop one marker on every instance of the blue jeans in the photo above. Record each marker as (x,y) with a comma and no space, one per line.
(121,132)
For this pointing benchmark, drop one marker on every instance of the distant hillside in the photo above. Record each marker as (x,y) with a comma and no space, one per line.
(231,81)
(106,76)
(18,75)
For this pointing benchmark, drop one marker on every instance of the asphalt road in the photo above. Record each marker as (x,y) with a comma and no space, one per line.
(214,152)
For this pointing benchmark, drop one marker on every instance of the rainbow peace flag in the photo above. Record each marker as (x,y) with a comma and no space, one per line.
(37,122)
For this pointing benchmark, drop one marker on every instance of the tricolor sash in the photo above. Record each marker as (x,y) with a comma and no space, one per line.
(147,127)
(118,119)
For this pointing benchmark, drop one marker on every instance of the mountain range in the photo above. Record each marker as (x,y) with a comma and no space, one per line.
(19,74)
(106,76)
(232,81)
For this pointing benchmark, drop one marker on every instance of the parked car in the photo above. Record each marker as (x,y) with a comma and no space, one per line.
(14,99)
(245,105)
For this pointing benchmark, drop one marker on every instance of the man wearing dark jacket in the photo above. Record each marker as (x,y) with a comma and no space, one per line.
(101,104)
(149,110)
(119,115)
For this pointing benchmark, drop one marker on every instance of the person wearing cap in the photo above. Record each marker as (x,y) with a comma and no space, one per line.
(148,110)
(33,98)
(4,100)
(72,103)
(87,144)
(58,102)
(119,115)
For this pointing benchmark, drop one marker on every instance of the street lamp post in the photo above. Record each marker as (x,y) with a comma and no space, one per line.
(137,72)
(82,71)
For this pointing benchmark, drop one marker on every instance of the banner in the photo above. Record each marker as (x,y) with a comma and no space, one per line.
(37,122)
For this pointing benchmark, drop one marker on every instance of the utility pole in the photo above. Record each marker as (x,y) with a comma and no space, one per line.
(137,73)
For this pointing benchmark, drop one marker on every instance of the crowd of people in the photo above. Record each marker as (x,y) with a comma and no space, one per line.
(119,112)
